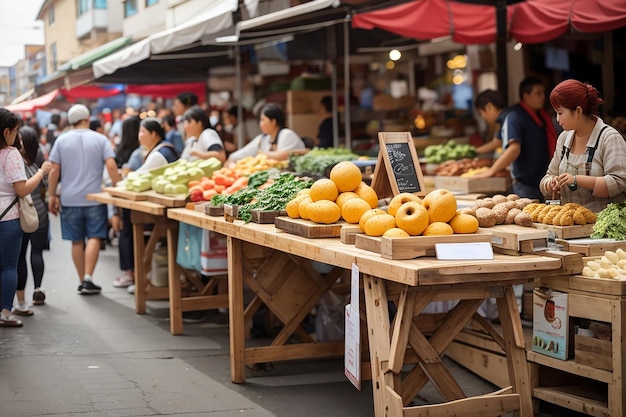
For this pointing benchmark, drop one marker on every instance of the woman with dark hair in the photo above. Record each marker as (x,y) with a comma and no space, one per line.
(589,164)
(128,141)
(13,183)
(275,141)
(159,152)
(33,157)
(202,142)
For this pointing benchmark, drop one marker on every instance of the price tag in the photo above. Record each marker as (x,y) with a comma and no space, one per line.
(464,251)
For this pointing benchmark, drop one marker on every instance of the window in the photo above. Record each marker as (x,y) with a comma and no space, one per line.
(82,7)
(51,15)
(99,4)
(53,56)
(130,8)
(151,2)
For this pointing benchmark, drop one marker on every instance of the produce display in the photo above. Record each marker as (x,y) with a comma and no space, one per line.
(243,195)
(343,195)
(317,160)
(436,154)
(463,167)
(611,265)
(500,209)
(569,214)
(251,164)
(611,222)
(171,178)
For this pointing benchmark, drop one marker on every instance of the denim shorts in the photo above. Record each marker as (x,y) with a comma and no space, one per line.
(78,223)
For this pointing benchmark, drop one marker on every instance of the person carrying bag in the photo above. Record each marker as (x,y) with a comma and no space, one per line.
(13,184)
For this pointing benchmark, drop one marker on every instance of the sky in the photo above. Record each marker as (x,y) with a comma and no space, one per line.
(17,28)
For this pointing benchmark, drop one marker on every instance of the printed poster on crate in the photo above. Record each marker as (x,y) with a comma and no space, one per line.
(352,353)
(550,323)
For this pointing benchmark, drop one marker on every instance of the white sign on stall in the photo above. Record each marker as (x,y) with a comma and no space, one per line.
(352,354)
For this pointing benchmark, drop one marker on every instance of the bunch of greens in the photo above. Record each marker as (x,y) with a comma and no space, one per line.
(611,222)
(318,159)
(245,195)
(274,197)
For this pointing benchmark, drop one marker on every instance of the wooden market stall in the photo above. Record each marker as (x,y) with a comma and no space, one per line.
(409,284)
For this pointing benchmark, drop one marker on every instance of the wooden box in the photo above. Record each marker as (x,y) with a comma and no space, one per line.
(348,233)
(593,352)
(414,246)
(266,217)
(566,232)
(307,228)
(468,185)
(511,238)
(127,194)
(214,211)
(178,200)
(591,247)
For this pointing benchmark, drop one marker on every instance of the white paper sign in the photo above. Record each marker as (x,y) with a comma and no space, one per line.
(352,352)
(464,251)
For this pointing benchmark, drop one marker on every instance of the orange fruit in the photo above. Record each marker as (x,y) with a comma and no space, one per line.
(395,232)
(365,217)
(399,200)
(293,206)
(464,223)
(441,205)
(368,194)
(378,225)
(346,175)
(324,189)
(438,229)
(353,209)
(306,191)
(343,197)
(412,217)
(323,211)
(302,207)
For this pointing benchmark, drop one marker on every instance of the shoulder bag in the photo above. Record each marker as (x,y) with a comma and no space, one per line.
(29,219)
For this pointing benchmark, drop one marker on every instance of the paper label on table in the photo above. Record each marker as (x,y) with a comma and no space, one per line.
(464,251)
(352,353)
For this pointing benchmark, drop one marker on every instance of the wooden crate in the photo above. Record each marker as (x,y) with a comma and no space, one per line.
(512,239)
(591,247)
(414,246)
(348,233)
(468,185)
(566,232)
(127,194)
(307,228)
(266,217)
(214,211)
(178,200)
(593,352)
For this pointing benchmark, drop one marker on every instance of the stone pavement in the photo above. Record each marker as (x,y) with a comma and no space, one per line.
(92,356)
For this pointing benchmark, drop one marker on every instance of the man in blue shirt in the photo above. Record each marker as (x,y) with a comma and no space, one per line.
(172,135)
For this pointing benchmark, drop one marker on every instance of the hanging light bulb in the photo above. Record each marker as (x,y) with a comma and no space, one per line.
(395,55)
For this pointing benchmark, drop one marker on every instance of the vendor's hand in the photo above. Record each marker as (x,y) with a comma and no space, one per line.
(553,184)
(484,174)
(564,179)
(46,167)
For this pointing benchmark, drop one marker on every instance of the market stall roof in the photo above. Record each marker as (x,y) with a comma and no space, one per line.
(530,21)
(217,18)
(33,104)
(96,53)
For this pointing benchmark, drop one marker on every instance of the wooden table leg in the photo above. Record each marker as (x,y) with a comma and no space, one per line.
(175,295)
(140,271)
(515,350)
(235,310)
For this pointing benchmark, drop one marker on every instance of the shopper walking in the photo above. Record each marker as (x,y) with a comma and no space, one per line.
(13,183)
(33,158)
(81,155)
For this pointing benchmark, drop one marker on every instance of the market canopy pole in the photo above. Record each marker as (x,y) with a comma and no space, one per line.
(502,66)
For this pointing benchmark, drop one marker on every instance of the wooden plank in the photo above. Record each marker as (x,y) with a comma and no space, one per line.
(215,211)
(401,248)
(235,310)
(591,247)
(307,228)
(574,398)
(264,354)
(567,232)
(481,406)
(468,185)
(122,192)
(486,364)
(266,217)
(348,233)
(509,236)
(571,367)
(177,200)
(401,329)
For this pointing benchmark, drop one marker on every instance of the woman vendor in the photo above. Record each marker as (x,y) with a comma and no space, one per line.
(275,141)
(589,164)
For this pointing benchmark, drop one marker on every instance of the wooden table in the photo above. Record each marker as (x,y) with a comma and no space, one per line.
(410,285)
(151,208)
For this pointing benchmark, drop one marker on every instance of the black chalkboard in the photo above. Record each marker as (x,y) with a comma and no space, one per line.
(403,167)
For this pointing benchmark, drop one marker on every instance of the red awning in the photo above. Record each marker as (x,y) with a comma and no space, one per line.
(34,104)
(168,90)
(92,92)
(531,21)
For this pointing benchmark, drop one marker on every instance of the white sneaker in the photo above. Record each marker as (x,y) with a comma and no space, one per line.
(131,289)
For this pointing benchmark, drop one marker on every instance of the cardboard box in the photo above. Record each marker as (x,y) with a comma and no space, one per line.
(550,323)
(299,102)
(305,125)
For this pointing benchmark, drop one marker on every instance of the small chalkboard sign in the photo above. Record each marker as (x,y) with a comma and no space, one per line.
(397,169)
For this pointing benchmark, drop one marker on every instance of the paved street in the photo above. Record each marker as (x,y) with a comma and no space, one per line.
(93,356)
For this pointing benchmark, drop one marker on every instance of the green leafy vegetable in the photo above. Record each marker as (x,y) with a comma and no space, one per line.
(611,222)
(317,160)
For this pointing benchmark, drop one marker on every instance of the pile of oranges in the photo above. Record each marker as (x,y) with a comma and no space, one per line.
(343,195)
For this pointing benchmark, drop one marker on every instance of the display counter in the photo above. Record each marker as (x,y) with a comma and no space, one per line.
(394,340)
